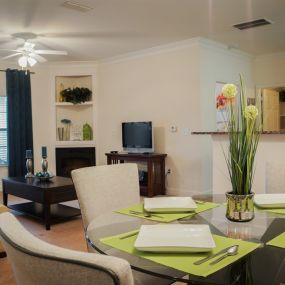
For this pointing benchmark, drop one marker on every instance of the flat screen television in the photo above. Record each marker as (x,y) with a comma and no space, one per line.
(137,137)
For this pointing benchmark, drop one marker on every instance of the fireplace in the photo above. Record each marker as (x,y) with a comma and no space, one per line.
(71,158)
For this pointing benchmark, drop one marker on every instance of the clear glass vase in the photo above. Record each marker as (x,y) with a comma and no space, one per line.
(240,208)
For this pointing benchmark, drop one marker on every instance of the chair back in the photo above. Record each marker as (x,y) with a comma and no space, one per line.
(36,262)
(275,177)
(105,188)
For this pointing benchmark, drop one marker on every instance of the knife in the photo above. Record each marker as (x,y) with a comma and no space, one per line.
(198,262)
(129,235)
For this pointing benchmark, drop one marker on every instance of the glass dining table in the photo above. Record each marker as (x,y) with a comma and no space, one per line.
(264,266)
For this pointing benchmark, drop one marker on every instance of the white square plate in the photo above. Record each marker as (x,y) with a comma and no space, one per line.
(175,238)
(270,200)
(169,204)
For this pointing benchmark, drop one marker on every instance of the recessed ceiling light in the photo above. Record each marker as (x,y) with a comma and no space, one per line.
(76,6)
(252,24)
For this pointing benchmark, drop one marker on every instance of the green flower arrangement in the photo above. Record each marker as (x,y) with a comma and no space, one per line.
(244,131)
(76,95)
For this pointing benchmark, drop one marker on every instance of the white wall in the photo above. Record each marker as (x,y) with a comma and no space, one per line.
(65,69)
(160,86)
(269,70)
(171,86)
(218,63)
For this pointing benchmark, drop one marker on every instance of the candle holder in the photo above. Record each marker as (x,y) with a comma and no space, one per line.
(44,164)
(29,166)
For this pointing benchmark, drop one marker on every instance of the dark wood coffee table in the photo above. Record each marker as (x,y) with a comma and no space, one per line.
(45,197)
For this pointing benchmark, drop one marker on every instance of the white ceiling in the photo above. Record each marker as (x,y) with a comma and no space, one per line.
(116,27)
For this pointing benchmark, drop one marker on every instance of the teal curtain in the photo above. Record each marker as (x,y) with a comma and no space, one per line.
(20,128)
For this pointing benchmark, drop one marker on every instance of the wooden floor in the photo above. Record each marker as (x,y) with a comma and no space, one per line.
(68,234)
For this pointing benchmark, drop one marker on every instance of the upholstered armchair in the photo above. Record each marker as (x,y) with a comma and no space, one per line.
(36,262)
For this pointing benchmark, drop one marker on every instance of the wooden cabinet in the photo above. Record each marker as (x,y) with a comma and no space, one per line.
(271,117)
(154,183)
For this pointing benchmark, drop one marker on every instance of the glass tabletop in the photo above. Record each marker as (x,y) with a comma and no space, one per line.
(262,267)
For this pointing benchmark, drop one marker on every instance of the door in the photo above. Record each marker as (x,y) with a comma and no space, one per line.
(270,110)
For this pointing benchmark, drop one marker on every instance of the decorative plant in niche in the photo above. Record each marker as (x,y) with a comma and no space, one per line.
(66,123)
(244,131)
(76,95)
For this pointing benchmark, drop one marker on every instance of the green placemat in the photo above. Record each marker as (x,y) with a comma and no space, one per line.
(166,217)
(278,241)
(275,211)
(184,261)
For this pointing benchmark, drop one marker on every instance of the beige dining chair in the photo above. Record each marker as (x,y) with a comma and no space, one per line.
(275,177)
(36,262)
(101,189)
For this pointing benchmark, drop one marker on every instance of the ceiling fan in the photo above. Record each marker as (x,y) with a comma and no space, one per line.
(29,56)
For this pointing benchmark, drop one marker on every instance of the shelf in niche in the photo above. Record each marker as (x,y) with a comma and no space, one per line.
(68,104)
(75,143)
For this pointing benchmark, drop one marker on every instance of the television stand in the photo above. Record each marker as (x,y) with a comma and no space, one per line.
(155,184)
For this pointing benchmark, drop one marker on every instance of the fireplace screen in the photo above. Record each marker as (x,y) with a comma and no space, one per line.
(68,159)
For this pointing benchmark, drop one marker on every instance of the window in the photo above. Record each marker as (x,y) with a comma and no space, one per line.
(3,130)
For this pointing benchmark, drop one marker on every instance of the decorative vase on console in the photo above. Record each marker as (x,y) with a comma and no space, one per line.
(243,131)
(66,132)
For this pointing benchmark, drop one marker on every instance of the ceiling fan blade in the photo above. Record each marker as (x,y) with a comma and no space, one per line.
(59,52)
(38,57)
(12,55)
(6,49)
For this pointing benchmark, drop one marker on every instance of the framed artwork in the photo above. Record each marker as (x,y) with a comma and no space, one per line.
(221,107)
(251,101)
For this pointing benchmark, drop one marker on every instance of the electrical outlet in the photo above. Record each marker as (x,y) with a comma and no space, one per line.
(168,171)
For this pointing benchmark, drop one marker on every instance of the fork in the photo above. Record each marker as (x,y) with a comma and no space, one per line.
(200,202)
(145,214)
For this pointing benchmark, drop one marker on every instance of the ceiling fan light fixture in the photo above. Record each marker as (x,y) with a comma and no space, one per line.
(23,61)
(32,61)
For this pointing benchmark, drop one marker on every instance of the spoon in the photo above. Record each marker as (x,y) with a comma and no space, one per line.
(205,259)
(230,252)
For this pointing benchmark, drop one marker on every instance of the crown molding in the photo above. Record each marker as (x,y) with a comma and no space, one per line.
(72,64)
(197,41)
(223,48)
(280,54)
(151,51)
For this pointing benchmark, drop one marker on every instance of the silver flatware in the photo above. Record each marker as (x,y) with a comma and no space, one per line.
(200,202)
(129,235)
(145,214)
(198,262)
(230,252)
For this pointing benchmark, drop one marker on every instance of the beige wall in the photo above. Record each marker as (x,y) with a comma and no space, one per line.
(161,88)
(172,87)
(269,70)
(218,63)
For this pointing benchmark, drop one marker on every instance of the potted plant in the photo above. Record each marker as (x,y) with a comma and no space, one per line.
(76,95)
(243,131)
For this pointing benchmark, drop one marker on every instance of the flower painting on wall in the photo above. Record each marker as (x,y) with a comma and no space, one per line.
(221,107)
